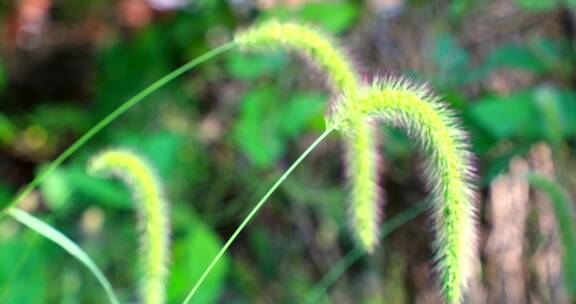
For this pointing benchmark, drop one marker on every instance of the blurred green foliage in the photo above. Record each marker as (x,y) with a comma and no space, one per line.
(221,134)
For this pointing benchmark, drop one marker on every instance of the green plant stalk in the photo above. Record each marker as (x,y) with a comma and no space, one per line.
(563,210)
(255,210)
(320,288)
(448,169)
(153,216)
(65,243)
(115,114)
(361,149)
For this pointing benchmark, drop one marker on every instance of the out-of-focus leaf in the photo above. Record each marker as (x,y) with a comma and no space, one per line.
(250,66)
(548,103)
(538,56)
(65,243)
(60,118)
(5,196)
(541,113)
(448,54)
(30,283)
(266,122)
(192,253)
(506,116)
(537,5)
(56,188)
(451,60)
(72,182)
(7,130)
(159,148)
(256,130)
(101,191)
(515,55)
(300,110)
(334,17)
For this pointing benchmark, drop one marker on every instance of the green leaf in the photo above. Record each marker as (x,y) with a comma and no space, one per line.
(159,148)
(267,122)
(7,130)
(72,182)
(539,56)
(250,66)
(103,192)
(65,243)
(56,188)
(256,130)
(299,111)
(507,116)
(540,113)
(537,5)
(334,17)
(191,255)
(61,118)
(29,284)
(517,56)
(448,53)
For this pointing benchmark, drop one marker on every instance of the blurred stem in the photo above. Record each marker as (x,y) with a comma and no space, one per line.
(319,290)
(255,210)
(112,116)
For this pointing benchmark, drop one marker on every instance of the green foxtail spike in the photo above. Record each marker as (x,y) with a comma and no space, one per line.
(361,146)
(448,172)
(153,217)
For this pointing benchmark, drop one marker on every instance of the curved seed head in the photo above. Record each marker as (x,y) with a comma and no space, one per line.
(449,169)
(361,157)
(153,216)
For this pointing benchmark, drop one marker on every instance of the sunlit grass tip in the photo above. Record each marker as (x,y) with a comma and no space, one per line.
(360,144)
(449,169)
(153,217)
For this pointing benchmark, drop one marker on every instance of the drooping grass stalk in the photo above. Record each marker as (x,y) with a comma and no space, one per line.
(564,212)
(255,210)
(360,140)
(319,289)
(127,105)
(422,116)
(68,245)
(152,215)
(448,171)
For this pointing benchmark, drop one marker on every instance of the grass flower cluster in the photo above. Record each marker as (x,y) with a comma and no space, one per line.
(153,216)
(361,144)
(423,117)
(357,109)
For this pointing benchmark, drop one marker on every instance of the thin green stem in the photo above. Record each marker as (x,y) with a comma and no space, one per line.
(255,210)
(115,114)
(319,290)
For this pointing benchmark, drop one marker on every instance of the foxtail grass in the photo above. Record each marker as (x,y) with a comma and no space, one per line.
(152,215)
(395,102)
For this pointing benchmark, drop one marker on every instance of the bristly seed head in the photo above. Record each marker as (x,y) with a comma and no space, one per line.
(422,116)
(153,216)
(361,157)
(449,170)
